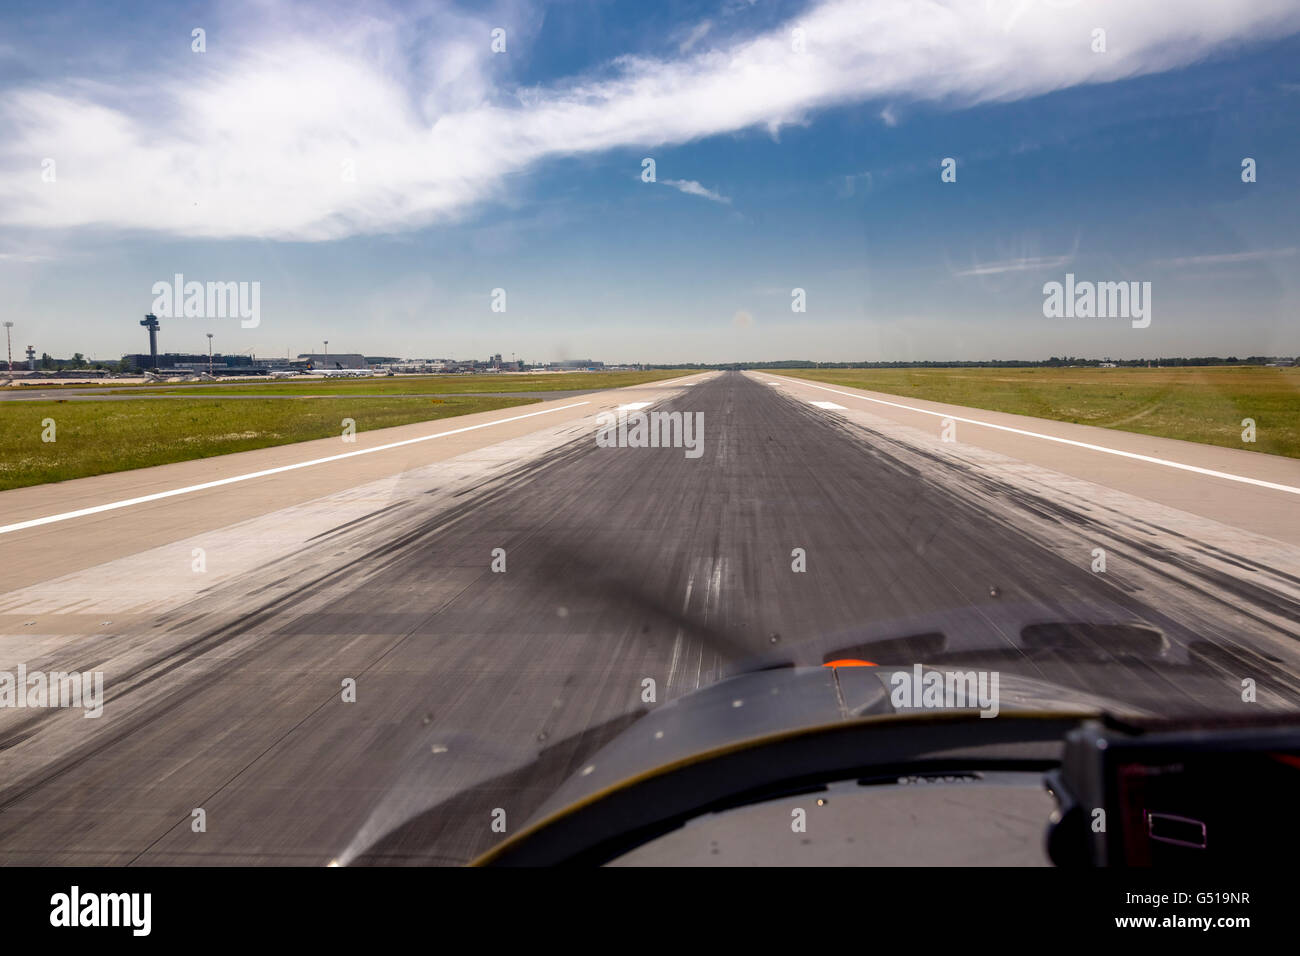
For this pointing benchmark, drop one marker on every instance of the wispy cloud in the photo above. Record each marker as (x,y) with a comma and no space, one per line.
(1021,264)
(251,139)
(1226,258)
(852,184)
(698,33)
(692,188)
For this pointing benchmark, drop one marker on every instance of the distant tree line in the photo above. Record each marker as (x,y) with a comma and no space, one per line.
(49,363)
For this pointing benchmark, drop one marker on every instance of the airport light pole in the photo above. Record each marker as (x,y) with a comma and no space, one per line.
(10,342)
(209,353)
(327,352)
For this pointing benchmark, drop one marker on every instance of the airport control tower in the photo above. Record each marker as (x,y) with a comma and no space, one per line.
(150,322)
(31,359)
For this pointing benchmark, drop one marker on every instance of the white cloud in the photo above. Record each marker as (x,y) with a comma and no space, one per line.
(692,188)
(23,257)
(249,140)
(1020,264)
(695,36)
(849,185)
(1227,258)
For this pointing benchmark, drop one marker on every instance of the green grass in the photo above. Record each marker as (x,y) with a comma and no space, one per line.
(94,438)
(420,384)
(1204,405)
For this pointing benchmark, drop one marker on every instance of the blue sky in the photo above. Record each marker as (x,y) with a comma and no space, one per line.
(776,168)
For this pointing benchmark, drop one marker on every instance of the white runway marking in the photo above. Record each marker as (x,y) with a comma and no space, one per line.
(126,503)
(633,406)
(676,382)
(830,405)
(1273,485)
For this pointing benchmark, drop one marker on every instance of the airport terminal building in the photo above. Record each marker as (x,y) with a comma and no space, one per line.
(341,360)
(198,362)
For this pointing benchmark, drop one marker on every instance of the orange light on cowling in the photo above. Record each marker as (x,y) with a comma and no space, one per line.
(849,662)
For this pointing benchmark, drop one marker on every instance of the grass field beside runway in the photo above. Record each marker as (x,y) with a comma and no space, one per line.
(424,384)
(94,438)
(1204,405)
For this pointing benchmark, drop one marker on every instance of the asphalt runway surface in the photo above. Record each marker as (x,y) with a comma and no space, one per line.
(479,690)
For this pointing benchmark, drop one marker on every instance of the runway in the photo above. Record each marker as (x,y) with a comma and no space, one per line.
(479,689)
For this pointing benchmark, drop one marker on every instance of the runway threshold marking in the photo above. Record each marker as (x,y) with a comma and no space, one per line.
(1258,482)
(156,496)
(830,406)
(633,406)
